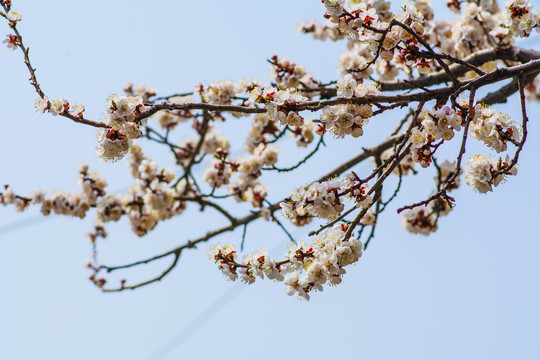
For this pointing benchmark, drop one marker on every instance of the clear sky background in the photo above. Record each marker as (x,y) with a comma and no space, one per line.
(469,291)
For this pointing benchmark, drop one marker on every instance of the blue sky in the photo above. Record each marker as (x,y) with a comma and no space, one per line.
(469,291)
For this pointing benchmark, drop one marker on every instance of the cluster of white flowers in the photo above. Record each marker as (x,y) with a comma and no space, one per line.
(246,186)
(467,33)
(8,197)
(519,17)
(494,129)
(78,203)
(348,87)
(112,145)
(218,173)
(436,124)
(278,103)
(354,19)
(420,220)
(411,15)
(288,74)
(214,142)
(369,11)
(224,92)
(58,106)
(482,172)
(355,59)
(304,134)
(322,262)
(70,204)
(115,142)
(350,16)
(149,200)
(345,119)
(121,113)
(226,258)
(139,90)
(423,219)
(326,199)
(263,128)
(457,38)
(374,52)
(261,131)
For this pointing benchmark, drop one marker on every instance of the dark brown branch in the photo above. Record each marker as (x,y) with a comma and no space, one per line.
(524,121)
(37,87)
(377,149)
(303,161)
(436,94)
(138,285)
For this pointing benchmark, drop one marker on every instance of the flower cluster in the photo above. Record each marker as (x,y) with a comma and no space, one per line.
(355,60)
(345,119)
(121,114)
(304,134)
(70,204)
(322,262)
(349,119)
(261,132)
(520,19)
(57,107)
(288,75)
(326,199)
(483,172)
(420,220)
(423,219)
(494,129)
(226,258)
(139,90)
(246,186)
(114,143)
(348,87)
(436,124)
(8,197)
(224,92)
(397,52)
(467,33)
(150,199)
(214,142)
(278,103)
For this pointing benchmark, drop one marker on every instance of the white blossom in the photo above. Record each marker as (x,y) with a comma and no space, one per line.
(14,16)
(482,172)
